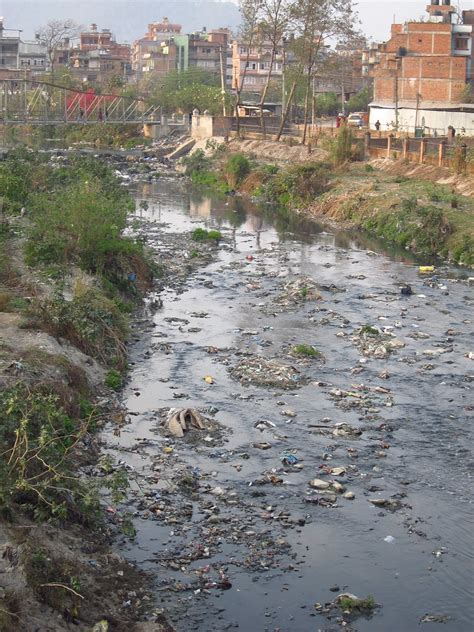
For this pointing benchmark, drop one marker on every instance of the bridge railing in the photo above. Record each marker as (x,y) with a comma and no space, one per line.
(24,101)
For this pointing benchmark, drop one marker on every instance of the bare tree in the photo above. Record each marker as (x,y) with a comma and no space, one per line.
(56,34)
(249,10)
(316,22)
(273,24)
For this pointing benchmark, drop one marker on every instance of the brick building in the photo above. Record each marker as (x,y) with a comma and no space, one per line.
(425,65)
(153,51)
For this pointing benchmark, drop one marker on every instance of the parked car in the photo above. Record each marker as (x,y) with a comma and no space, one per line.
(356,119)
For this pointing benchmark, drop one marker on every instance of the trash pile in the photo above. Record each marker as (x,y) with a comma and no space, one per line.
(295,293)
(258,371)
(373,342)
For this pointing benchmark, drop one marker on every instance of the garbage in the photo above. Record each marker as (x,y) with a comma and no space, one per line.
(349,496)
(317,483)
(209,379)
(389,538)
(262,446)
(406,290)
(258,371)
(289,459)
(426,269)
(183,419)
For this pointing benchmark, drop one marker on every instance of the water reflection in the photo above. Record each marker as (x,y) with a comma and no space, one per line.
(220,211)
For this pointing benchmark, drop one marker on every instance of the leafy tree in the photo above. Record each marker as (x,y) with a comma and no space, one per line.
(360,102)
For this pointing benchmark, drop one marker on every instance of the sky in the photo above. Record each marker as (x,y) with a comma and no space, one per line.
(128,18)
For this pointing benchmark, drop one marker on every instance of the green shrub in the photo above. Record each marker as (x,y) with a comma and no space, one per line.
(236,168)
(306,350)
(201,234)
(90,321)
(299,184)
(113,379)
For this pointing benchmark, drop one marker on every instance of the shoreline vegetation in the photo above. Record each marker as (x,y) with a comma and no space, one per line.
(430,220)
(70,281)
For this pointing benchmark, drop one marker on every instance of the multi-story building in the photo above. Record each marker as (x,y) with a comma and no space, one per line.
(250,65)
(19,57)
(425,66)
(149,51)
(98,57)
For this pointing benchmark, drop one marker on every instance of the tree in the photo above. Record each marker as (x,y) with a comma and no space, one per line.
(55,34)
(360,102)
(274,16)
(249,10)
(316,22)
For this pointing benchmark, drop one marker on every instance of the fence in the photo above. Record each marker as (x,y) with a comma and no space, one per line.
(436,151)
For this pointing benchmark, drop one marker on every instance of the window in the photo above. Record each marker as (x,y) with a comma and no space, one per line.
(461,43)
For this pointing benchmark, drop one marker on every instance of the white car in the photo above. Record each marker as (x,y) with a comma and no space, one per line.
(355,120)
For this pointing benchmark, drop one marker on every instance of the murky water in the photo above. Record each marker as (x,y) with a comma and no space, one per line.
(281,554)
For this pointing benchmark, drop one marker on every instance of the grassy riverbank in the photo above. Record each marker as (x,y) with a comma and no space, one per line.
(429,219)
(69,281)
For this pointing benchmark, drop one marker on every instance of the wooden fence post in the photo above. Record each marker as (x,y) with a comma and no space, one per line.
(422,150)
(405,148)
(441,152)
(389,145)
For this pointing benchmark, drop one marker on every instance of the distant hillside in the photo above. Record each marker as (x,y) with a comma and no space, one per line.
(128,19)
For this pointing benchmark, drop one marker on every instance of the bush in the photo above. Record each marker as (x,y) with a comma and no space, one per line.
(298,185)
(340,147)
(201,234)
(113,380)
(90,321)
(37,438)
(236,168)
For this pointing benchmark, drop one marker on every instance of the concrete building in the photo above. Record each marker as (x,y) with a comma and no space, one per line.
(256,61)
(426,66)
(19,58)
(149,51)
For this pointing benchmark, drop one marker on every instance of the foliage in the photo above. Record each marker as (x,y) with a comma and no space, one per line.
(200,234)
(340,147)
(194,162)
(299,184)
(353,604)
(66,229)
(90,321)
(360,102)
(327,104)
(422,228)
(305,350)
(37,439)
(235,169)
(185,91)
(113,379)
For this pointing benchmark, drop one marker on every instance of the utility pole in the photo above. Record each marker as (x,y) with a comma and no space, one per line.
(283,95)
(396,97)
(221,55)
(343,99)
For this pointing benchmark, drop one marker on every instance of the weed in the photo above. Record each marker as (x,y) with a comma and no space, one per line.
(113,379)
(236,168)
(369,330)
(369,168)
(201,234)
(306,350)
(352,604)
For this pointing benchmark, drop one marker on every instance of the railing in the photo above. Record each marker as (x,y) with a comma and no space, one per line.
(41,103)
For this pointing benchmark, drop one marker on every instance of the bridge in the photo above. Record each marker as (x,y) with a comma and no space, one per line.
(23,101)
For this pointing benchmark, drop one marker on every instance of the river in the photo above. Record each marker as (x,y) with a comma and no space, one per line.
(244,542)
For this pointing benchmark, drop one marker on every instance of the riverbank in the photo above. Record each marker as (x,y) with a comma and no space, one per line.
(69,286)
(423,210)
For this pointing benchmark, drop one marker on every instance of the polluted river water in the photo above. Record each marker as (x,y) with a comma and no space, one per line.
(377,417)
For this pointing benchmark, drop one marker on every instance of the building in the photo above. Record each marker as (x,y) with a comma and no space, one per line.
(250,66)
(149,52)
(20,58)
(425,67)
(97,58)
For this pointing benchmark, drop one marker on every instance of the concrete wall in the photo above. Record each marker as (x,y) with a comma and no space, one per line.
(434,120)
(206,126)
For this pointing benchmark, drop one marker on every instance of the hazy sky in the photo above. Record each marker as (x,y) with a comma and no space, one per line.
(130,17)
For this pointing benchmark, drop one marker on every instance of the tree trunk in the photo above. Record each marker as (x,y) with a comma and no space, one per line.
(287,109)
(306,107)
(265,90)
